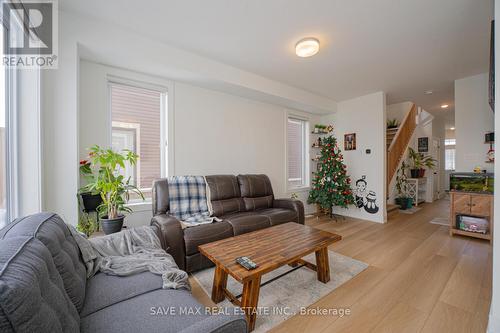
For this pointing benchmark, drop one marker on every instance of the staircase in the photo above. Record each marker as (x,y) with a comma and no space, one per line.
(390,134)
(397,142)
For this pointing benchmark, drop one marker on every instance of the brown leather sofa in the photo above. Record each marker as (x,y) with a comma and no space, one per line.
(244,203)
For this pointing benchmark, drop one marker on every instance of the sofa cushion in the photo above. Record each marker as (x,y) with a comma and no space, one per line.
(150,312)
(205,233)
(256,191)
(225,194)
(51,230)
(223,187)
(227,206)
(279,215)
(258,203)
(252,186)
(32,293)
(246,221)
(104,290)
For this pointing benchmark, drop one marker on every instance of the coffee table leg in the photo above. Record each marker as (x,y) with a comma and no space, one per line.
(249,300)
(220,282)
(323,265)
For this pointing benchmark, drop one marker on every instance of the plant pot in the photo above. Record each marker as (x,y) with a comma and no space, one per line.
(415,173)
(110,226)
(404,203)
(91,201)
(409,203)
(421,173)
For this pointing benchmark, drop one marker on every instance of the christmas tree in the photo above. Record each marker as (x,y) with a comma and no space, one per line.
(331,185)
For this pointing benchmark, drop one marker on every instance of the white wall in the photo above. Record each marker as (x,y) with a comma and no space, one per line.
(473,118)
(212,132)
(365,116)
(80,37)
(398,111)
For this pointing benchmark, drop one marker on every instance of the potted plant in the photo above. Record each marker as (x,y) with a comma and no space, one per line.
(403,200)
(392,123)
(89,200)
(429,163)
(419,162)
(104,176)
(416,163)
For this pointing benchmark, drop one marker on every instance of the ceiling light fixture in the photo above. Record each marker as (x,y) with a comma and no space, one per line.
(444,106)
(452,128)
(428,92)
(307,47)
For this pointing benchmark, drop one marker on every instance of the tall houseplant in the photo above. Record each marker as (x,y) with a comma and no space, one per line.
(403,199)
(103,174)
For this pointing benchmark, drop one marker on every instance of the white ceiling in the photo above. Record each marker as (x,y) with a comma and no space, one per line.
(402,47)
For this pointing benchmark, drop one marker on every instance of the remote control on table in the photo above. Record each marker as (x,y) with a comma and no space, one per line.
(246,262)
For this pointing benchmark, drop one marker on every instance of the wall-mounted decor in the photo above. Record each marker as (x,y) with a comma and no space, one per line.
(350,141)
(364,198)
(423,145)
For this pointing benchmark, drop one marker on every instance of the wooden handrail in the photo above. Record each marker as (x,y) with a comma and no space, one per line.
(400,142)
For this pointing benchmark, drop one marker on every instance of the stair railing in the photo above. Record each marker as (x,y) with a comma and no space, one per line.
(400,142)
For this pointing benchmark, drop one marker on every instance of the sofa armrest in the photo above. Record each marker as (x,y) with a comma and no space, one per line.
(220,323)
(171,237)
(292,204)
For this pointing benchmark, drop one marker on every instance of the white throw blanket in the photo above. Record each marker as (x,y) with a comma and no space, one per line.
(129,252)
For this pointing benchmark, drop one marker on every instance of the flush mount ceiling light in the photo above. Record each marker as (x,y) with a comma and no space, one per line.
(428,92)
(307,47)
(444,106)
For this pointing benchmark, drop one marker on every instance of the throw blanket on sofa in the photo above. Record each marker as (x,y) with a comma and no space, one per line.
(189,200)
(129,252)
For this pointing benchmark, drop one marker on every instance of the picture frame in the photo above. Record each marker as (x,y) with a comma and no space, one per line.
(423,145)
(350,141)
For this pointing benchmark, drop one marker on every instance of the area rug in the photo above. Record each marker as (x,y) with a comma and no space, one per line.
(441,221)
(287,295)
(411,210)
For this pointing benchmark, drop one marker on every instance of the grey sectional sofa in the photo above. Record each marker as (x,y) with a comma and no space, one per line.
(43,288)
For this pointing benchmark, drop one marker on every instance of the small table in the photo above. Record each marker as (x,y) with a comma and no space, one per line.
(270,249)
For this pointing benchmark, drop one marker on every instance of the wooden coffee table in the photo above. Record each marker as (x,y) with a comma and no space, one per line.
(270,249)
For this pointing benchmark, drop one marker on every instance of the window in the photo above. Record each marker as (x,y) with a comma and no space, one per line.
(296,152)
(449,154)
(450,142)
(137,117)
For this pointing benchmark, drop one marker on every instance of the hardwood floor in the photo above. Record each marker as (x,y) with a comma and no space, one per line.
(419,280)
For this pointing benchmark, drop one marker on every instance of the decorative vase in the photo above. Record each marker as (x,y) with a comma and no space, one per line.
(110,226)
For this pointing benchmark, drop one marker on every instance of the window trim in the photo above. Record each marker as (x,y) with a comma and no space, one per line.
(166,88)
(306,152)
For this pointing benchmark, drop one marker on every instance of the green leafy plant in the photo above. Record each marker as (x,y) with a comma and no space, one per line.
(392,123)
(86,224)
(419,161)
(103,175)
(402,181)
